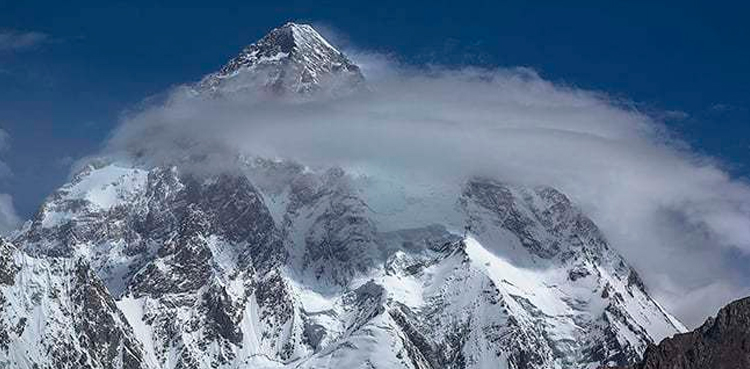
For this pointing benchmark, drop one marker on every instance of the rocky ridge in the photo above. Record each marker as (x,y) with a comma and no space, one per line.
(722,342)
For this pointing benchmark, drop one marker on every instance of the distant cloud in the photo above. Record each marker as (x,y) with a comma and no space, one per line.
(719,107)
(4,145)
(15,41)
(4,139)
(723,108)
(65,161)
(333,35)
(9,219)
(675,115)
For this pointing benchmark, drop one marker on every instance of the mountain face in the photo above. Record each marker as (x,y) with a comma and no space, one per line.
(276,265)
(722,342)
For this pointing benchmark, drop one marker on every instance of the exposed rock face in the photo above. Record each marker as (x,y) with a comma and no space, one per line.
(341,241)
(720,343)
(278,265)
(8,267)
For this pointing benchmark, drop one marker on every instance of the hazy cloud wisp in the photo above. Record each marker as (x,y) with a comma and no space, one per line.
(12,41)
(9,219)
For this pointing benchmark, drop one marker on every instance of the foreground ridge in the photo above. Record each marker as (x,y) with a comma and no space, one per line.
(722,342)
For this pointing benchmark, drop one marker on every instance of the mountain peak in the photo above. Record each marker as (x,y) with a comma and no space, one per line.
(300,37)
(290,58)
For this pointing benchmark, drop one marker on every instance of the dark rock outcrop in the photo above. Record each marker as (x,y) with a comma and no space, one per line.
(720,343)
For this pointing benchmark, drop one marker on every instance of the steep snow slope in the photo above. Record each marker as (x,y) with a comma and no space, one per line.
(55,313)
(90,209)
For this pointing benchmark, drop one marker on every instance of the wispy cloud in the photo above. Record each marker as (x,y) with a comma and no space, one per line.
(726,108)
(16,41)
(9,219)
(4,146)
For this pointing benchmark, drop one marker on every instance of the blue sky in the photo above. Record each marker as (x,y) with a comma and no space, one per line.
(69,69)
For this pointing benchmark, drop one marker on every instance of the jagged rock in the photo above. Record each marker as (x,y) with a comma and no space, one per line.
(722,342)
(8,267)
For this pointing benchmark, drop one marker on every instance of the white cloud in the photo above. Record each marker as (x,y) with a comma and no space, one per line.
(18,41)
(4,146)
(9,219)
(672,213)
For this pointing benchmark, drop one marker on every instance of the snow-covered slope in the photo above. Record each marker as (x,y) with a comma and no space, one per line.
(278,265)
(55,313)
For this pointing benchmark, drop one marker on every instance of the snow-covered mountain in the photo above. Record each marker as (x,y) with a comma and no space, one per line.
(279,265)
